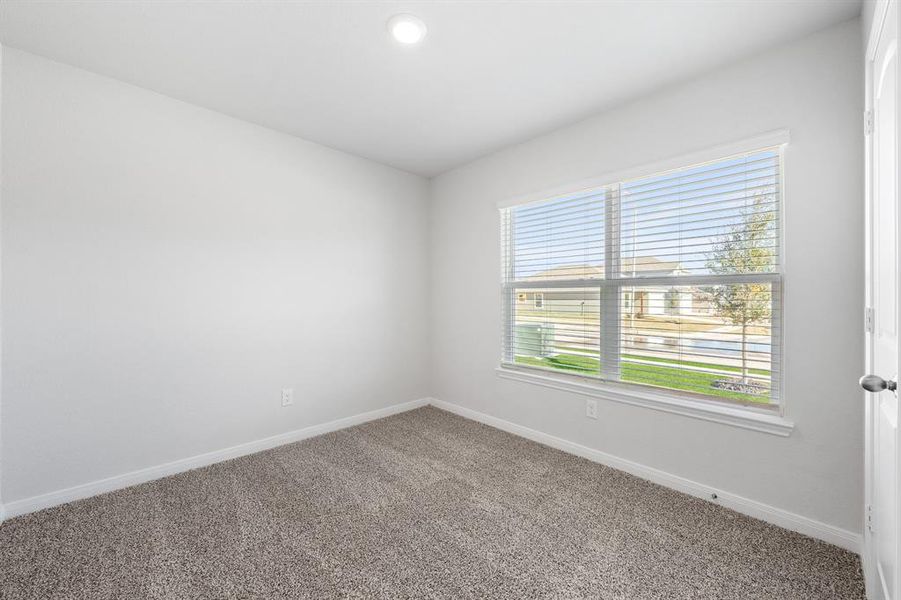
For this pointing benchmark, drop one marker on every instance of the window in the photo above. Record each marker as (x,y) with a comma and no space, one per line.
(669,281)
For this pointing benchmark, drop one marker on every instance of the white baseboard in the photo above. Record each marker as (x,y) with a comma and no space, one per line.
(117,482)
(782,518)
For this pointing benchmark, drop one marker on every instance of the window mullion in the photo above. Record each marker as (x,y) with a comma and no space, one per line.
(508,293)
(610,305)
(776,341)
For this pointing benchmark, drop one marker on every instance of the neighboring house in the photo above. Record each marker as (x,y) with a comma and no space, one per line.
(637,301)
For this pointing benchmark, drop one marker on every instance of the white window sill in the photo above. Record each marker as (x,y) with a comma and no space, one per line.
(747,418)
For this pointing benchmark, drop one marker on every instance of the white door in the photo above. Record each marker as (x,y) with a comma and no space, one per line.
(882,539)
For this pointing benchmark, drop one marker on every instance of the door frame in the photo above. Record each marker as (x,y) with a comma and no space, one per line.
(867,551)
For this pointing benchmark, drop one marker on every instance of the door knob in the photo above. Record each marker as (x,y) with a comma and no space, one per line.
(875,383)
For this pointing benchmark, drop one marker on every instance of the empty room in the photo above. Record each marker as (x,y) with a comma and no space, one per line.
(450,299)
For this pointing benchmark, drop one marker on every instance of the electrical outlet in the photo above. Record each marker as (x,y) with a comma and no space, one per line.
(591,409)
(287,397)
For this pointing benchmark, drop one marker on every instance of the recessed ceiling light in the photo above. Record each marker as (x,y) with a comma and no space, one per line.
(407,29)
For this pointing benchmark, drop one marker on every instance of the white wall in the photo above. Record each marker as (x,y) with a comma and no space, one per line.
(812,87)
(867,15)
(167,270)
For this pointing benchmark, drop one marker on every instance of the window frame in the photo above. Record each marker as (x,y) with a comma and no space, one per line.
(605,384)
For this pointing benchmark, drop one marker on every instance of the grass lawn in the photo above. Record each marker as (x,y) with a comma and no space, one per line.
(692,363)
(659,375)
(672,361)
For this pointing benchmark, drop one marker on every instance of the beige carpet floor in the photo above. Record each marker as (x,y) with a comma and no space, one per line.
(424,504)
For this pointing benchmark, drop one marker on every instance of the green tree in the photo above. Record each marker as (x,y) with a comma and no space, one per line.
(748,247)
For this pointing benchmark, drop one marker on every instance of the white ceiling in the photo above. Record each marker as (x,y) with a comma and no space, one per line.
(489,73)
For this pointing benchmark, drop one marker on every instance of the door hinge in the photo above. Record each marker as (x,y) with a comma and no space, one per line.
(867,122)
(871,525)
(868,320)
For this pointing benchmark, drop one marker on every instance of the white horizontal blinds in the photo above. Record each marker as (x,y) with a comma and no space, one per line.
(559,240)
(679,337)
(671,281)
(720,217)
(553,242)
(557,328)
(710,223)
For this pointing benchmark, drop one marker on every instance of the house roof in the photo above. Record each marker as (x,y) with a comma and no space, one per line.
(639,264)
